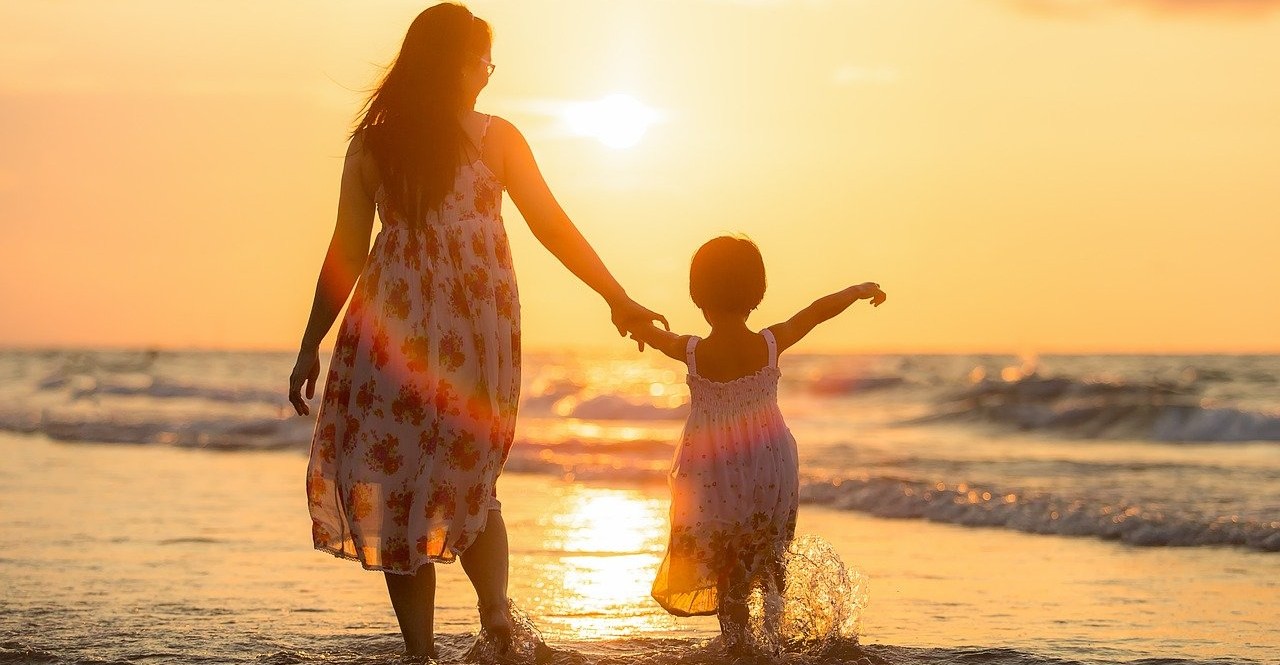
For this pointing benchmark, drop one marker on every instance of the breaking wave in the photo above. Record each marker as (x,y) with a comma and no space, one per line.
(1152,411)
(1038,513)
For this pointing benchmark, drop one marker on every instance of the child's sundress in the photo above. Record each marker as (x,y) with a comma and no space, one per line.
(734,487)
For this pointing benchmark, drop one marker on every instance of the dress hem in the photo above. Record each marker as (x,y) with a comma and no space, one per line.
(682,613)
(381,569)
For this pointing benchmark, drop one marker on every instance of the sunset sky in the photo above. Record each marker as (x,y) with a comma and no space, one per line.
(1019,176)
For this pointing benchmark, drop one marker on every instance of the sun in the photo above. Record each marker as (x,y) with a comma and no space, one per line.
(618,121)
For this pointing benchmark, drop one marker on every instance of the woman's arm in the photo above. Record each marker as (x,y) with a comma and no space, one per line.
(822,309)
(553,228)
(342,265)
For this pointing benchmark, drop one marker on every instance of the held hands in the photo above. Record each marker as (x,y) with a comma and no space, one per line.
(305,371)
(629,315)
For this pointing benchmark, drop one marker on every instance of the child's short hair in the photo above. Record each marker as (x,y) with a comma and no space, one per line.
(727,274)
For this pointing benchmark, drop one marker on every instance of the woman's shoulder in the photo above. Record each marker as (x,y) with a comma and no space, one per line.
(503,132)
(361,157)
(497,122)
(360,144)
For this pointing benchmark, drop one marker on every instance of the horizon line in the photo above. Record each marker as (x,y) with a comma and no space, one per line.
(625,348)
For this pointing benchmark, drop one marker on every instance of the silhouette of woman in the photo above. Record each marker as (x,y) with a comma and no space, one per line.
(420,399)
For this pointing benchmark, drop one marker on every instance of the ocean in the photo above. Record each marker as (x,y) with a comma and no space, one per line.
(973,508)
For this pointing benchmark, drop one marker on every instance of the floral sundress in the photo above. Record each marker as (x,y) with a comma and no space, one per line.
(734,487)
(419,405)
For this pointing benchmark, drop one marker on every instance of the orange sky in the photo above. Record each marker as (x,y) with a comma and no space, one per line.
(1020,176)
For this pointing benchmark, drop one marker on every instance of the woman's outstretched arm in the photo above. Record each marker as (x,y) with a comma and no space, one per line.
(342,265)
(795,328)
(553,228)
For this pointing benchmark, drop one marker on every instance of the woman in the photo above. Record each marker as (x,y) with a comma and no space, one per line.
(420,401)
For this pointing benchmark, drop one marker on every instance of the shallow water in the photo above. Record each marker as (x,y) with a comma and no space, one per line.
(160,554)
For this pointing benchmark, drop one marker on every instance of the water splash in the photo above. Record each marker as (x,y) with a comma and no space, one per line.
(824,599)
(818,612)
(527,645)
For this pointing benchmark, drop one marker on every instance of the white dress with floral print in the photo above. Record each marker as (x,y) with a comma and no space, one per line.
(419,404)
(734,487)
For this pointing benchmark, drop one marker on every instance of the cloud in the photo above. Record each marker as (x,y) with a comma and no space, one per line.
(1082,8)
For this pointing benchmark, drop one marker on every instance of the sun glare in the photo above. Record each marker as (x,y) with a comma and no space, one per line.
(618,121)
(611,543)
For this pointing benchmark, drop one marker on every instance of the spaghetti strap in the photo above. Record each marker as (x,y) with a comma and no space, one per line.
(688,355)
(484,133)
(773,346)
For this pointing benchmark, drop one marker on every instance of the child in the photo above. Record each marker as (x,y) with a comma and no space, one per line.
(734,480)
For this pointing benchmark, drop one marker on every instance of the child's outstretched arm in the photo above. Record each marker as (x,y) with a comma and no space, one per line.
(826,307)
(663,340)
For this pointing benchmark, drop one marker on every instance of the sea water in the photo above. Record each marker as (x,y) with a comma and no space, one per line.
(999,509)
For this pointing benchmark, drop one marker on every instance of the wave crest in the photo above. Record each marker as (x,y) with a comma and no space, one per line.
(1153,411)
(970,505)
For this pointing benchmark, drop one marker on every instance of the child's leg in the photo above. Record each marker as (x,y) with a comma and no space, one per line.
(733,590)
(414,599)
(776,571)
(486,564)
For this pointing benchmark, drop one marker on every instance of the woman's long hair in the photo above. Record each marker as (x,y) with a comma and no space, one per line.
(410,124)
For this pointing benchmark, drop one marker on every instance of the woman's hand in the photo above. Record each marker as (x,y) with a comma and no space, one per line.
(629,316)
(305,371)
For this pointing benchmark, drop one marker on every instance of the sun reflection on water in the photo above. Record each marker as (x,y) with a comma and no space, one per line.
(612,542)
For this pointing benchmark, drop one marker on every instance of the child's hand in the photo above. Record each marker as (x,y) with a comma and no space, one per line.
(825,308)
(629,316)
(869,291)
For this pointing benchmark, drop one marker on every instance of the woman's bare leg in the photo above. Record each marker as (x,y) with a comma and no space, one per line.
(486,564)
(414,599)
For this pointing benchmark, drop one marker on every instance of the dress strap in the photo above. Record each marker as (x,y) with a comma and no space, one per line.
(773,346)
(688,355)
(483,133)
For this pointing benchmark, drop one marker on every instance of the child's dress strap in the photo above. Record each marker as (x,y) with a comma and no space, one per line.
(688,355)
(773,346)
